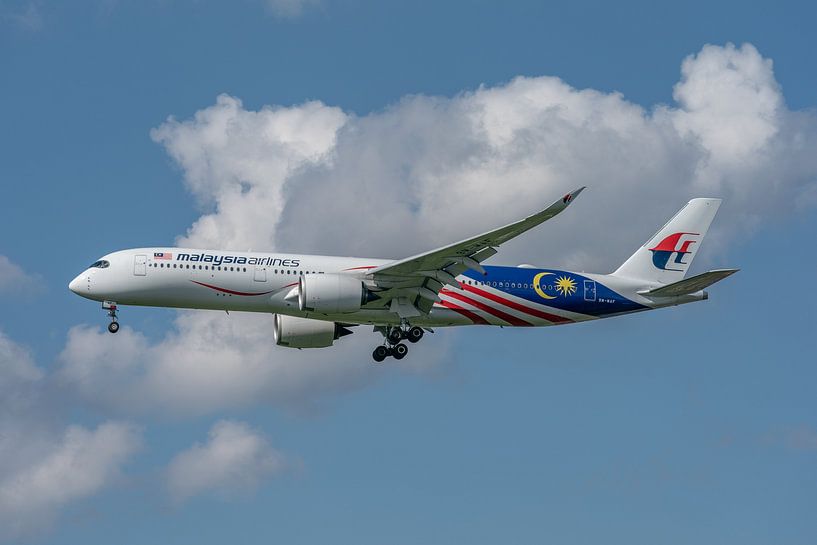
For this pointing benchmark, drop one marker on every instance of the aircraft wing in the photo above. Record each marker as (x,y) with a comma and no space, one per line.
(411,285)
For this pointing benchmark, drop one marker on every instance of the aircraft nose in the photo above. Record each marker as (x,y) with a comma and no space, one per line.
(76,285)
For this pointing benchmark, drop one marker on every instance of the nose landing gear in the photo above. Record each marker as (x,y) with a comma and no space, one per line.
(110,306)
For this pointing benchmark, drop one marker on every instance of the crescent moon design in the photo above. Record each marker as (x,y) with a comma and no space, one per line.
(538,288)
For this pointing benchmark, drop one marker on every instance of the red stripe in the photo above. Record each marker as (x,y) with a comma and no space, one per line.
(359,268)
(517,306)
(513,320)
(473,316)
(231,292)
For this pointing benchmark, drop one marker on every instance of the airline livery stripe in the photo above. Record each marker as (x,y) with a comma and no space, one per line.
(231,292)
(473,316)
(513,320)
(517,306)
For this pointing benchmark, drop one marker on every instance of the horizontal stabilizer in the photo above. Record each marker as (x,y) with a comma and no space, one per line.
(691,284)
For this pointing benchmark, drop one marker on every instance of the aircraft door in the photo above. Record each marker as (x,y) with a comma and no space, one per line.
(260,274)
(140,266)
(589,290)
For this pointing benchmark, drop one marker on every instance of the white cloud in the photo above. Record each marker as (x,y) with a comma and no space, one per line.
(14,280)
(22,412)
(16,365)
(234,460)
(730,101)
(80,464)
(428,170)
(213,361)
(239,161)
(44,466)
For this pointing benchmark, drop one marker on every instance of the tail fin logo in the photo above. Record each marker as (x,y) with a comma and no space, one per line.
(678,244)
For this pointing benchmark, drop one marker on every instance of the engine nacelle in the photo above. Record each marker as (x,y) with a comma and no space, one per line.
(331,293)
(294,332)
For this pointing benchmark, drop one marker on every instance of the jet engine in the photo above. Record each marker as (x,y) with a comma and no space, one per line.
(332,293)
(294,332)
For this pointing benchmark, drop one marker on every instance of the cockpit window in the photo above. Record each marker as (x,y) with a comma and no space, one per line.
(101,264)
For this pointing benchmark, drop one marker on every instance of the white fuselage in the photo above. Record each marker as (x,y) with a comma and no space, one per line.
(264,282)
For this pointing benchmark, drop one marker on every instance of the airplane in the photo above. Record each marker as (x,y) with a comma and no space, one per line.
(315,299)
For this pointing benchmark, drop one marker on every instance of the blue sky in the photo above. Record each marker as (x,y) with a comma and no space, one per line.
(691,424)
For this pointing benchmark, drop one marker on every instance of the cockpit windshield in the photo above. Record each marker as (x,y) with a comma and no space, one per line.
(101,264)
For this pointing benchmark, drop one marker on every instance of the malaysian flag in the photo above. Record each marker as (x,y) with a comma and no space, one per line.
(162,255)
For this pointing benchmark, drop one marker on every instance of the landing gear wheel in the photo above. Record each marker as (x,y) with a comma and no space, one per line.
(399,351)
(415,334)
(380,353)
(110,306)
(394,335)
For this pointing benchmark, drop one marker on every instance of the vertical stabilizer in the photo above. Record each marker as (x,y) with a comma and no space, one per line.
(666,257)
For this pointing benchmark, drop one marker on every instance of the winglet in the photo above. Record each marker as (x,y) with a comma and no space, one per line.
(570,196)
(558,206)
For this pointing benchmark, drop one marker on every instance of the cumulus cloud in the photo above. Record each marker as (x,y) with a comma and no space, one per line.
(44,465)
(21,406)
(428,170)
(213,361)
(80,464)
(18,367)
(13,279)
(234,460)
(238,160)
(312,178)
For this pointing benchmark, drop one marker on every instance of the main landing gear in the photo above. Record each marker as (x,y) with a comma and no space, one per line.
(110,306)
(393,346)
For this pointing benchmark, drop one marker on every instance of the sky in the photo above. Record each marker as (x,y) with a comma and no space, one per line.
(382,129)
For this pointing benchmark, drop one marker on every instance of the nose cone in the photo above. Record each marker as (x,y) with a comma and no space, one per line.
(76,285)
